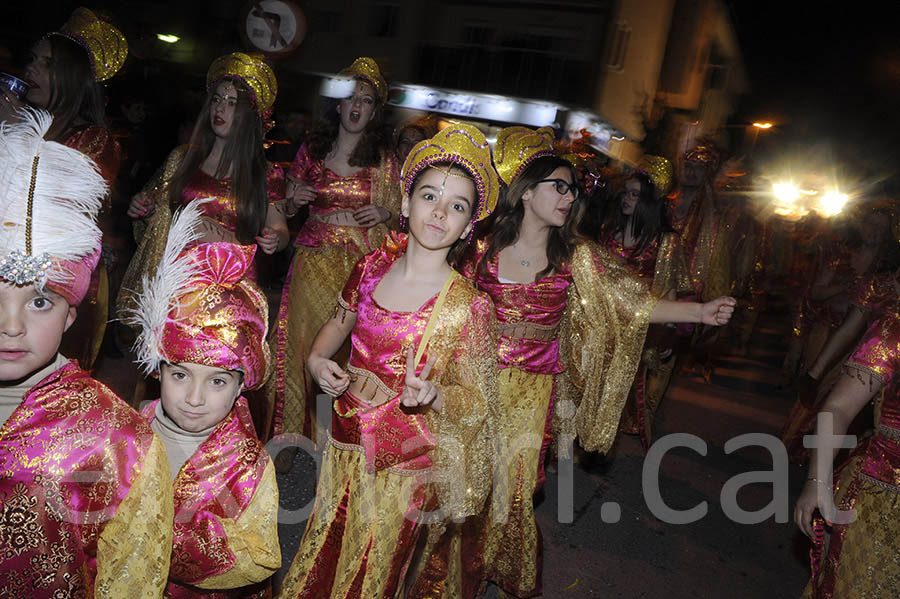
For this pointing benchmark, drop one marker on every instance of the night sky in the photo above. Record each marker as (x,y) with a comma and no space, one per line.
(828,75)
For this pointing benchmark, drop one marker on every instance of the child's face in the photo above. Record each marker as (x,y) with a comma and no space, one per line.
(31,325)
(440,208)
(198,397)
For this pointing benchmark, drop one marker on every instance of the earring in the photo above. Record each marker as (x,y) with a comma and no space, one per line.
(403,222)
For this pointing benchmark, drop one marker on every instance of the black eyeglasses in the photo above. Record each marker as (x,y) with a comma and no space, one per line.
(562,186)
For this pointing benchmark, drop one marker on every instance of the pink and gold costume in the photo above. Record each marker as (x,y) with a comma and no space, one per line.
(662,264)
(326,248)
(226,507)
(226,498)
(704,245)
(219,222)
(552,333)
(822,318)
(386,466)
(85,496)
(861,557)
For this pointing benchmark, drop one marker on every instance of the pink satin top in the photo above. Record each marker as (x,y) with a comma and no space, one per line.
(879,354)
(335,194)
(390,435)
(223,209)
(542,303)
(643,264)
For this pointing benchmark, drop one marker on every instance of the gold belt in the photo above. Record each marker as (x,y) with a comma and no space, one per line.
(368,388)
(343,218)
(528,330)
(891,433)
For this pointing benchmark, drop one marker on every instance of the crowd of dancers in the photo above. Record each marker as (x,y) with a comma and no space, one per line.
(469,308)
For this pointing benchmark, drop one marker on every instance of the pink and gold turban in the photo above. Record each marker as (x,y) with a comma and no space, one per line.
(50,195)
(222,318)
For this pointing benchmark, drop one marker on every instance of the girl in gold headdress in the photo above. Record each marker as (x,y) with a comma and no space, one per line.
(412,427)
(350,184)
(65,72)
(572,323)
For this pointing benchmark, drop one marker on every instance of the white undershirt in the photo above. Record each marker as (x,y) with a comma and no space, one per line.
(12,396)
(180,444)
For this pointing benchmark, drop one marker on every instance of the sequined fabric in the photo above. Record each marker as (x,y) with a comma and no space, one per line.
(602,311)
(252,70)
(226,509)
(662,263)
(82,340)
(704,245)
(367,505)
(861,559)
(105,45)
(323,258)
(223,208)
(221,321)
(221,216)
(877,292)
(600,342)
(75,460)
(542,303)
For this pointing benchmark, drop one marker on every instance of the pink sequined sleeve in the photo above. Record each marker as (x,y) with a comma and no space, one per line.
(877,353)
(275,184)
(302,164)
(349,299)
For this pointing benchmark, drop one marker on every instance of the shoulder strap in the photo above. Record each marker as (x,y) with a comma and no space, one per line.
(432,320)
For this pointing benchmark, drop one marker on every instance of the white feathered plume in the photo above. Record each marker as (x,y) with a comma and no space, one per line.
(173,278)
(68,193)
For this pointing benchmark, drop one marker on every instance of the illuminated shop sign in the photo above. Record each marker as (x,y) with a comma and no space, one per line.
(478,106)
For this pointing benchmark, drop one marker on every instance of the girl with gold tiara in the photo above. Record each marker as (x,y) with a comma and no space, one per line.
(636,228)
(203,328)
(350,184)
(66,71)
(412,425)
(225,161)
(572,324)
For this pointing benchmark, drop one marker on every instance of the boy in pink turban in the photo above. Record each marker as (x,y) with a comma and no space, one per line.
(85,500)
(203,328)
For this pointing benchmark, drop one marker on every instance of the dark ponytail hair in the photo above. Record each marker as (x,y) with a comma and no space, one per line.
(75,97)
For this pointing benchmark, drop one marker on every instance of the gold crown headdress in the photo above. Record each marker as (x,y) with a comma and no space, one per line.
(367,69)
(466,146)
(252,70)
(107,48)
(517,146)
(50,195)
(659,170)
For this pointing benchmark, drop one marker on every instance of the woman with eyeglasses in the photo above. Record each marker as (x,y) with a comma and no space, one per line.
(572,323)
(636,228)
